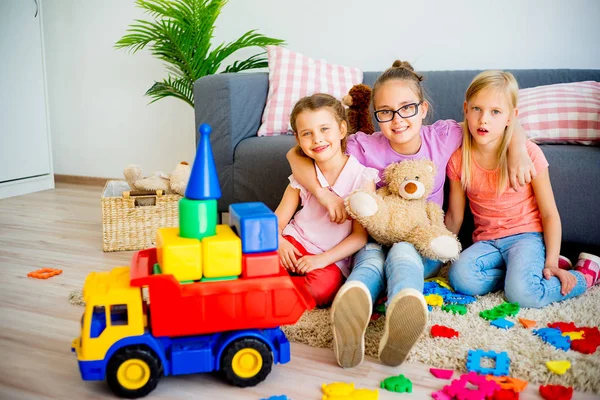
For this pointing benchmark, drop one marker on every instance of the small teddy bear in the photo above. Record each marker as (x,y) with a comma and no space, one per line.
(174,183)
(400,212)
(357,100)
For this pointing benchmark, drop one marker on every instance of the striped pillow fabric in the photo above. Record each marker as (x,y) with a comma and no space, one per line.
(293,76)
(561,113)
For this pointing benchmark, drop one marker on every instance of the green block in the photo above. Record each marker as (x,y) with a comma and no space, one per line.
(156,269)
(221,278)
(197,218)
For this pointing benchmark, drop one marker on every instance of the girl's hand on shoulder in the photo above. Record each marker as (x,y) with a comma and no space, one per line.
(309,263)
(521,170)
(567,279)
(288,254)
(334,205)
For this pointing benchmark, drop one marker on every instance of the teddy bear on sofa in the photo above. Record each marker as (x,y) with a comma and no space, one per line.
(400,212)
(176,182)
(357,100)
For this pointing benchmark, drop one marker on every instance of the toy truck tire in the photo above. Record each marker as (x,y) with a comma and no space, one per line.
(133,372)
(246,362)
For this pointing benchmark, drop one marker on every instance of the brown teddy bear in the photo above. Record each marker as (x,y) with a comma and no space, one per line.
(357,100)
(400,212)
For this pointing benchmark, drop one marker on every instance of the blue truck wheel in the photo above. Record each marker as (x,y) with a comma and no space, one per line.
(246,362)
(133,372)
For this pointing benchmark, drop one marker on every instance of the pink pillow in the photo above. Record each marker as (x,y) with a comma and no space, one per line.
(293,76)
(561,113)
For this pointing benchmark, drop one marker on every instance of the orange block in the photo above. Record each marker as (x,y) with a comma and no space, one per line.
(527,323)
(44,273)
(507,382)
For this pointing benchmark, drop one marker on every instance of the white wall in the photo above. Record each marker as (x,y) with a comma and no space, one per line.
(100,119)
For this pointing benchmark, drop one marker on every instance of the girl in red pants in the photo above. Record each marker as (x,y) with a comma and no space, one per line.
(311,244)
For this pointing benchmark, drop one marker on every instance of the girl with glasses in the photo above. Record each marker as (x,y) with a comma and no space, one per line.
(517,234)
(311,244)
(400,107)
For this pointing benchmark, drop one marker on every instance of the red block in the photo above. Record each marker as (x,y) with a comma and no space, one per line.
(556,392)
(443,331)
(504,394)
(260,264)
(563,326)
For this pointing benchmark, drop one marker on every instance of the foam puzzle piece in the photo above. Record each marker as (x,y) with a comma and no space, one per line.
(440,281)
(504,394)
(501,359)
(554,337)
(434,299)
(455,308)
(574,335)
(556,392)
(508,383)
(443,331)
(527,323)
(563,326)
(441,395)
(559,367)
(398,384)
(483,388)
(457,298)
(279,397)
(441,373)
(502,323)
(501,311)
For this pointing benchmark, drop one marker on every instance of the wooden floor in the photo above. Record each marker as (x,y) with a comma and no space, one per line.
(62,229)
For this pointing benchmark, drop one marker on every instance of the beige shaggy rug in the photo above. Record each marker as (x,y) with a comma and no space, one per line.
(527,352)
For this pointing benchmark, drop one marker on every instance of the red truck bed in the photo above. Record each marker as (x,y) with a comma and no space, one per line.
(209,307)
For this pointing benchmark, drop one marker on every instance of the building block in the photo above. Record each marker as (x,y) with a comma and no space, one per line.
(434,300)
(502,323)
(222,254)
(337,389)
(260,264)
(457,298)
(501,359)
(365,394)
(527,323)
(197,218)
(483,388)
(222,278)
(574,335)
(559,367)
(501,311)
(441,373)
(508,383)
(204,181)
(180,257)
(398,384)
(556,392)
(455,308)
(256,225)
(44,273)
(443,331)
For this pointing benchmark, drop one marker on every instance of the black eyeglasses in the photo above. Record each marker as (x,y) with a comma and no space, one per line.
(406,111)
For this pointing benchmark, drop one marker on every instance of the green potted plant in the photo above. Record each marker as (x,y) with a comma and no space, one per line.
(180,34)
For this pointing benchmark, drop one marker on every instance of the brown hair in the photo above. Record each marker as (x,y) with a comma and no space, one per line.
(316,102)
(400,70)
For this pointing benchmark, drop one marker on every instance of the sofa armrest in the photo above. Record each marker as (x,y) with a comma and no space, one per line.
(232,104)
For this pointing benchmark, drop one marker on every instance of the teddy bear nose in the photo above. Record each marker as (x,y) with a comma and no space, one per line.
(410,188)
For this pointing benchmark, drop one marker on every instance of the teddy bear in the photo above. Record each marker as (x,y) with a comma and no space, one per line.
(400,212)
(176,182)
(357,100)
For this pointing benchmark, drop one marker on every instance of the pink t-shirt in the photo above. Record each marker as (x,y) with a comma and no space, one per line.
(510,213)
(439,141)
(311,226)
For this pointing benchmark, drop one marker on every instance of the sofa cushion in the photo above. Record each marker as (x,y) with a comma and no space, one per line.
(293,76)
(561,113)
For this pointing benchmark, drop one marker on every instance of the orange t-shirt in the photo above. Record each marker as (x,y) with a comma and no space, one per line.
(505,215)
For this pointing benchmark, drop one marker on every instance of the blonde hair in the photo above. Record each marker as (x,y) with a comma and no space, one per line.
(505,84)
(316,102)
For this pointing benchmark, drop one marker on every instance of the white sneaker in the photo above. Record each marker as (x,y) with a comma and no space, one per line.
(350,315)
(405,321)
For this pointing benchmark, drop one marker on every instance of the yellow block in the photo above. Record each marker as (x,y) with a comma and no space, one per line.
(222,253)
(558,366)
(180,257)
(574,335)
(434,300)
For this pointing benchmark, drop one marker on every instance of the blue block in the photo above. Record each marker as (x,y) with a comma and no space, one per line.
(256,225)
(458,298)
(502,323)
(502,362)
(204,181)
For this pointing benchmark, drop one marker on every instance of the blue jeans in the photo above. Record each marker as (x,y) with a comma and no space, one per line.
(515,263)
(398,267)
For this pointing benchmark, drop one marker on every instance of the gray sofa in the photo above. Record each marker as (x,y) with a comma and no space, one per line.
(254,168)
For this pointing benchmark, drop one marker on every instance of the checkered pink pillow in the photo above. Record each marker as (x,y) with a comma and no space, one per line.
(293,76)
(561,113)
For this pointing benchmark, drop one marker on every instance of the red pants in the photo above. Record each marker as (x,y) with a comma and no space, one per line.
(322,283)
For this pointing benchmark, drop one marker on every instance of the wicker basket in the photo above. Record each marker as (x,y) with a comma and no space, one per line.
(130,218)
